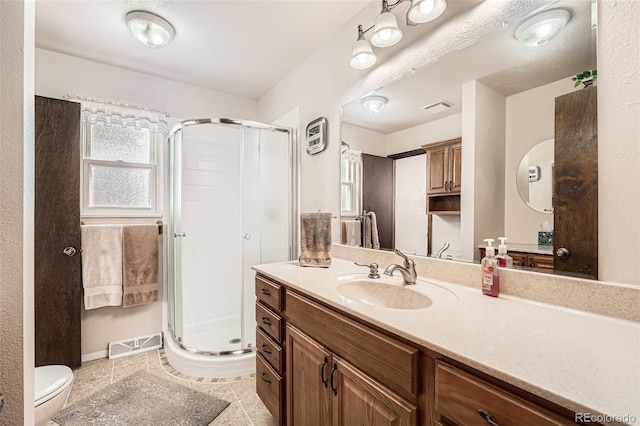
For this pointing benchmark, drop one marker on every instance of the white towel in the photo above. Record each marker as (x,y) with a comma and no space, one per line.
(351,232)
(102,265)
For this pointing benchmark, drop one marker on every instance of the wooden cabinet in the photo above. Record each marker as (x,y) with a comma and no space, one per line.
(270,382)
(444,176)
(463,399)
(324,389)
(529,261)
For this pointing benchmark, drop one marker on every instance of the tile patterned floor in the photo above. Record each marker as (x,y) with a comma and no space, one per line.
(245,409)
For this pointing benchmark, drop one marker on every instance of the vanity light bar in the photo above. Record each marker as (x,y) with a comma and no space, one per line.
(437,107)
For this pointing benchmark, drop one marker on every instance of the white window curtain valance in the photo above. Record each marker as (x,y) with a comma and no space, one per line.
(125,115)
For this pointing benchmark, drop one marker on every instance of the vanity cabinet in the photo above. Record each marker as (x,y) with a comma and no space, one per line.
(444,181)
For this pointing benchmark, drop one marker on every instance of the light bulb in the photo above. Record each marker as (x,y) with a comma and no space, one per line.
(362,58)
(427,6)
(385,34)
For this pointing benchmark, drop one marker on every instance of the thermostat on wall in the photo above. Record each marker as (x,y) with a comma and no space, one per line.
(316,136)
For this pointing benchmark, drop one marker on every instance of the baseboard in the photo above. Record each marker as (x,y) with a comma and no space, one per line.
(95,355)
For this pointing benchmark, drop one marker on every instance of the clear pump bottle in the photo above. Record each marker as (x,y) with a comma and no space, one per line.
(504,260)
(490,278)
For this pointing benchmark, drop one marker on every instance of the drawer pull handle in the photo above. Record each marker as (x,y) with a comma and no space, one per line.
(265,321)
(264,378)
(333,388)
(266,350)
(485,415)
(265,292)
(324,364)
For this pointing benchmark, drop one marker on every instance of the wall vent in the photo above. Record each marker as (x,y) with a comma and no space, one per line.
(134,345)
(437,107)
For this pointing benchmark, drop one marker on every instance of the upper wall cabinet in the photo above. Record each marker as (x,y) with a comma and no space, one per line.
(444,183)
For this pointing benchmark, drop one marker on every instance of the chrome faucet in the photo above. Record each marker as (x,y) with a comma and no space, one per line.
(408,271)
(442,250)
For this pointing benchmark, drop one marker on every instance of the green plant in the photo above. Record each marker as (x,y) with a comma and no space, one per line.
(585,75)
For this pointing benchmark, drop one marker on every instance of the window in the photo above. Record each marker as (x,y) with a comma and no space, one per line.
(350,183)
(120,176)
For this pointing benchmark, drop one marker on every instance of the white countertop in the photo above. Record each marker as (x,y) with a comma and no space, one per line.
(581,361)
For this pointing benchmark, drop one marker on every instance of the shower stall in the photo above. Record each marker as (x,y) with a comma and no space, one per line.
(232,204)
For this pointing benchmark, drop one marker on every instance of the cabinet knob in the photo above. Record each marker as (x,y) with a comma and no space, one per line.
(266,350)
(265,321)
(485,415)
(333,388)
(324,381)
(265,379)
(265,292)
(69,251)
(563,253)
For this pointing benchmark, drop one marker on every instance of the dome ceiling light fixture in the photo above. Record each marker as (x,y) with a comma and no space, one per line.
(539,29)
(373,104)
(386,32)
(150,29)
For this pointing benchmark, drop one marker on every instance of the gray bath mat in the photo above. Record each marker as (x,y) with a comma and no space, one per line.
(143,399)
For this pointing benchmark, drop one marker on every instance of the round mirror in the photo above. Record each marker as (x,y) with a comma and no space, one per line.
(534,178)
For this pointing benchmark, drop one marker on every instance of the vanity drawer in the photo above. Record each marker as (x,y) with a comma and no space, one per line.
(459,396)
(269,293)
(269,387)
(269,321)
(271,351)
(385,359)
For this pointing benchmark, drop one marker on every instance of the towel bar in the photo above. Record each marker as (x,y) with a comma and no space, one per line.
(159,223)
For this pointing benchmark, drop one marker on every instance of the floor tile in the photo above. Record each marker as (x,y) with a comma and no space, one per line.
(233,415)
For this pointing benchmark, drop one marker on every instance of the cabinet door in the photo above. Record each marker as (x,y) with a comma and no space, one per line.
(360,400)
(455,168)
(437,162)
(308,370)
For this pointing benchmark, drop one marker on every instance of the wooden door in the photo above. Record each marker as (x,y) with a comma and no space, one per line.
(361,401)
(58,291)
(437,162)
(576,182)
(455,168)
(308,372)
(378,195)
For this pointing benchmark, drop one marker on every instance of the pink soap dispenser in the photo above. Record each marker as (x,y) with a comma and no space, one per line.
(490,278)
(504,260)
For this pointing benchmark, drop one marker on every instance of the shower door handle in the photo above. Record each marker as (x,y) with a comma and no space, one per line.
(247,236)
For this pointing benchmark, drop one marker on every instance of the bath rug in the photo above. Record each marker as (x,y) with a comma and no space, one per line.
(143,399)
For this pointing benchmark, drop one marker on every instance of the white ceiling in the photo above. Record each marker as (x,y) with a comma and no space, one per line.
(497,60)
(238,47)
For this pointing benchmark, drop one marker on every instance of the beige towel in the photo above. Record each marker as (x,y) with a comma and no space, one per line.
(351,232)
(140,264)
(371,237)
(315,239)
(101,265)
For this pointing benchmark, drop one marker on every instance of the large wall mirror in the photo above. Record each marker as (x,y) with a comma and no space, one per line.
(446,156)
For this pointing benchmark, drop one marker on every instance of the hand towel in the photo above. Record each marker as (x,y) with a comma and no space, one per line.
(101,265)
(140,264)
(352,232)
(315,239)
(371,237)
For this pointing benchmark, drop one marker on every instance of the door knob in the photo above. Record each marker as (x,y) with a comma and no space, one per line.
(562,253)
(69,251)
(247,236)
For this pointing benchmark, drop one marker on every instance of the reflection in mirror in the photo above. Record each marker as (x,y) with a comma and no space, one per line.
(535,177)
(496,99)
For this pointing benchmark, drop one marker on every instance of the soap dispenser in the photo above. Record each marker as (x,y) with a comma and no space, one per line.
(490,278)
(504,260)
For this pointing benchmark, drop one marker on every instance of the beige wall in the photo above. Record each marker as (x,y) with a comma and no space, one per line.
(365,140)
(16,211)
(434,131)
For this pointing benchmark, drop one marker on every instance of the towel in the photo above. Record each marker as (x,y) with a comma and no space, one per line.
(140,264)
(351,232)
(315,239)
(101,265)
(371,237)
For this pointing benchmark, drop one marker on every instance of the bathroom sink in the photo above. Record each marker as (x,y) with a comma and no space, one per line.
(373,292)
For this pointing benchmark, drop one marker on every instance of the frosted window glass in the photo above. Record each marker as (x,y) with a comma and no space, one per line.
(115,143)
(124,187)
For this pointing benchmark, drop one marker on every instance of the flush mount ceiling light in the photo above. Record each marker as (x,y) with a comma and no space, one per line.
(373,104)
(150,29)
(426,10)
(539,29)
(362,56)
(386,32)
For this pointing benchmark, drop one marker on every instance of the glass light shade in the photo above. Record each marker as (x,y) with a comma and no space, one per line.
(386,32)
(363,56)
(426,10)
(149,29)
(373,104)
(539,29)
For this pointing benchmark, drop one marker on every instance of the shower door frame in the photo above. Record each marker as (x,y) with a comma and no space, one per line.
(294,208)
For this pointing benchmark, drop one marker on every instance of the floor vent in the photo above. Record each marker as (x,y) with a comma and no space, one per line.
(134,345)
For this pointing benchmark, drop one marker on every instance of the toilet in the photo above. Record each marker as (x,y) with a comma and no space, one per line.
(52,386)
